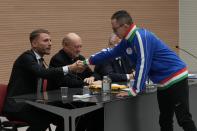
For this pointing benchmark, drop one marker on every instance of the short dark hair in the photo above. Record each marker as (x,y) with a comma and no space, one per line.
(34,34)
(122,17)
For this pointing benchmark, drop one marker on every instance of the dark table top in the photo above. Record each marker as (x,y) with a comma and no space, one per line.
(96,96)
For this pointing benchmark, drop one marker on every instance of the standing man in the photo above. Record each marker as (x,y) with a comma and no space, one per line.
(27,75)
(153,59)
(69,54)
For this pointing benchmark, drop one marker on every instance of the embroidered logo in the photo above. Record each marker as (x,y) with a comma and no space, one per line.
(129,51)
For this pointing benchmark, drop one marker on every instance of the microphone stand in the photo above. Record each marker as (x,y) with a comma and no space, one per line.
(191,76)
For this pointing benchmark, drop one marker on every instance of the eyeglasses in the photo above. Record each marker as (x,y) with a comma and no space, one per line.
(116,29)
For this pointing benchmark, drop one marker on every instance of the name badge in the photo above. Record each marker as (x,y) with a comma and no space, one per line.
(129,51)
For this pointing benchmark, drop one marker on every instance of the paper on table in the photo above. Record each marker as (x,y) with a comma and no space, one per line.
(192,76)
(113,86)
(82,96)
(126,89)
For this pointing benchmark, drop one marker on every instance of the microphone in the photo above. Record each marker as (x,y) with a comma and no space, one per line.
(186,52)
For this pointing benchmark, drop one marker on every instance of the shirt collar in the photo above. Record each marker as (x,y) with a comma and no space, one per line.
(37,55)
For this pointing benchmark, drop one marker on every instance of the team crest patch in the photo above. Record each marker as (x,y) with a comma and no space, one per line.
(129,51)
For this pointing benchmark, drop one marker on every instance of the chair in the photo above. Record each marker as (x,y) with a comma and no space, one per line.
(44,91)
(44,85)
(12,124)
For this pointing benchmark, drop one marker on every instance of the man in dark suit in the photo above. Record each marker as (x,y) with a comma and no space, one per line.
(69,54)
(27,75)
(119,69)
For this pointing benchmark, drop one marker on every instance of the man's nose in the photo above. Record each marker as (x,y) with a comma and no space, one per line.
(79,49)
(50,43)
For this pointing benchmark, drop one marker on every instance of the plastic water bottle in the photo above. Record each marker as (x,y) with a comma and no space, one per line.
(106,84)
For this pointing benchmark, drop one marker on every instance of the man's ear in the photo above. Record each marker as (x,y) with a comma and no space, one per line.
(34,43)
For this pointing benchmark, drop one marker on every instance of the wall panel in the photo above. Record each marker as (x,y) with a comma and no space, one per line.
(188,31)
(89,18)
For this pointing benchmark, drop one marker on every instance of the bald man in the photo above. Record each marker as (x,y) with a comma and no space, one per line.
(70,53)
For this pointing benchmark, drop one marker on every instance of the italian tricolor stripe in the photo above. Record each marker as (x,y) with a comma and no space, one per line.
(174,78)
(131,32)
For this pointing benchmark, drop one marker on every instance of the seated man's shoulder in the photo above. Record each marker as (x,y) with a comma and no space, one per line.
(25,56)
(81,57)
(57,60)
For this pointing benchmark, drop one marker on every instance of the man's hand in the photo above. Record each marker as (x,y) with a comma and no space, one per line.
(89,80)
(131,76)
(122,94)
(75,67)
(80,63)
(99,82)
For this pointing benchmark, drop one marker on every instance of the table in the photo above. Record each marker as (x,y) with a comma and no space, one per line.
(125,114)
(53,102)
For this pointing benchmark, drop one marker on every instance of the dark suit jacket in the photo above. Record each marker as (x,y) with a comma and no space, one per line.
(23,79)
(113,69)
(72,80)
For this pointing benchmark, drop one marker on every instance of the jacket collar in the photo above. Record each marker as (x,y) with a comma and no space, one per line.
(131,32)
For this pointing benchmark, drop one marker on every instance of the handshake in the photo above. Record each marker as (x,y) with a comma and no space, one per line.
(77,67)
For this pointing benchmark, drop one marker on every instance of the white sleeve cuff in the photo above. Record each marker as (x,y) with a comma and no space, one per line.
(65,70)
(132,91)
(128,77)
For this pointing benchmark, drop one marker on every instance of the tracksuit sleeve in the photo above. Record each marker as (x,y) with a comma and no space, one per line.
(108,54)
(144,59)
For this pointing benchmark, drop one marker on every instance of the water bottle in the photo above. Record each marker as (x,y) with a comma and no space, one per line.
(106,84)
